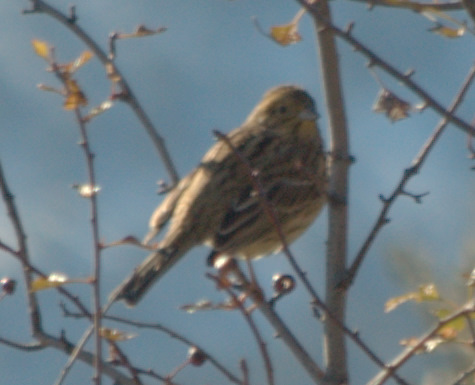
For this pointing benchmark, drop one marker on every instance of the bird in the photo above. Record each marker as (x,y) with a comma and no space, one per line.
(275,157)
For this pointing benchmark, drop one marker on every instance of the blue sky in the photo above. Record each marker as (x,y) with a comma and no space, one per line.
(207,72)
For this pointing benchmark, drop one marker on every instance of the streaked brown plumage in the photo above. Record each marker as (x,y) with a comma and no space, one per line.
(217,205)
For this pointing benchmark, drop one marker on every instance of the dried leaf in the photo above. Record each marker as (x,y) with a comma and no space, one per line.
(205,304)
(141,31)
(451,329)
(200,305)
(44,87)
(425,293)
(115,335)
(394,107)
(81,60)
(428,292)
(285,34)
(75,97)
(432,343)
(86,190)
(104,106)
(51,281)
(111,73)
(427,347)
(449,32)
(128,240)
(42,49)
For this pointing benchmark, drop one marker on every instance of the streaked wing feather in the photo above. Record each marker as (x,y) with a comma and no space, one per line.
(288,197)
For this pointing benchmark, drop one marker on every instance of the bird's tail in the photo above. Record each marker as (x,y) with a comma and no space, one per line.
(145,275)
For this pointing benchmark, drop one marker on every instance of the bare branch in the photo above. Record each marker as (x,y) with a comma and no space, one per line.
(407,175)
(375,60)
(416,6)
(247,316)
(335,344)
(172,333)
(31,347)
(400,360)
(22,254)
(40,6)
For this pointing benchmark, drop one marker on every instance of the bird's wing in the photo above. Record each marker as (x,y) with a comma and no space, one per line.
(247,220)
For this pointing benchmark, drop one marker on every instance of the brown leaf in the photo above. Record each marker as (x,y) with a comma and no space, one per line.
(115,334)
(285,34)
(81,60)
(141,31)
(394,107)
(111,73)
(449,32)
(427,347)
(424,293)
(75,98)
(104,106)
(42,49)
(86,190)
(51,281)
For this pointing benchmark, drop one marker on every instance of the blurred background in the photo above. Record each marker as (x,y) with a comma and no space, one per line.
(206,72)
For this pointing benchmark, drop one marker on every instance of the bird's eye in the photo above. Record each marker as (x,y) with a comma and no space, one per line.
(282,109)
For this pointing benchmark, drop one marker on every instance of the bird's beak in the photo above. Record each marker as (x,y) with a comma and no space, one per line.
(309,114)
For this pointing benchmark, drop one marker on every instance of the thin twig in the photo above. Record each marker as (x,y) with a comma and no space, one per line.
(375,60)
(124,361)
(22,253)
(67,347)
(409,352)
(407,175)
(315,298)
(31,347)
(270,212)
(255,331)
(96,245)
(415,6)
(282,331)
(172,333)
(64,77)
(40,6)
(152,374)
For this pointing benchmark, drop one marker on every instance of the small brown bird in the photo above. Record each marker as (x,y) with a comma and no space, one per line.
(217,203)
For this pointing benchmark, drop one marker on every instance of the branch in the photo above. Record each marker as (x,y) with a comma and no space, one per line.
(22,253)
(31,347)
(96,244)
(252,325)
(168,331)
(407,175)
(400,360)
(375,60)
(270,212)
(335,344)
(65,346)
(40,6)
(282,331)
(416,6)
